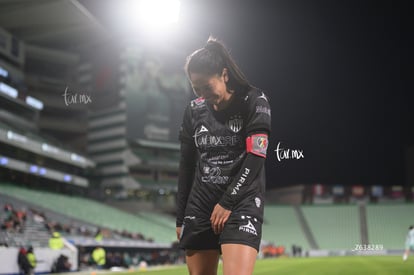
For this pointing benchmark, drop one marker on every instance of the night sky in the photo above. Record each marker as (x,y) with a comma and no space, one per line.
(334,71)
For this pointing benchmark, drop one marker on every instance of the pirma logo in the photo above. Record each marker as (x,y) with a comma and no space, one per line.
(249,227)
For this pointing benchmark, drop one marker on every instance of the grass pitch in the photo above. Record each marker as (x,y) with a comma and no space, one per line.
(376,265)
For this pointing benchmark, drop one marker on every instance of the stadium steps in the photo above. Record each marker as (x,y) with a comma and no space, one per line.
(363,224)
(160,219)
(334,226)
(92,212)
(281,227)
(305,227)
(388,224)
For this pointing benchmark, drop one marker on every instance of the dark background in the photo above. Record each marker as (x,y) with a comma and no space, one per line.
(338,75)
(334,71)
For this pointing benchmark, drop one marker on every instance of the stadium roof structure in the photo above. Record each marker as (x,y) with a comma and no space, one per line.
(56,24)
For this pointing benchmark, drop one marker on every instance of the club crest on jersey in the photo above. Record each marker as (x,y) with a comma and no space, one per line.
(235,123)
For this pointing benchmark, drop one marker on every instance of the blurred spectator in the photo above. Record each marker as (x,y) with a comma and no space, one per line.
(99,235)
(38,217)
(62,264)
(14,220)
(23,262)
(99,257)
(127,259)
(56,241)
(31,257)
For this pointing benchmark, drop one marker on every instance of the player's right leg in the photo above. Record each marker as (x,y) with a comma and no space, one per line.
(202,262)
(405,256)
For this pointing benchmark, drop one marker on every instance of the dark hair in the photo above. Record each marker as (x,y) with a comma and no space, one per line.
(211,60)
(411,227)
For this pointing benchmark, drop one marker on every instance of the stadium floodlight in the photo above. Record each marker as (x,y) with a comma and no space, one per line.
(4,161)
(8,90)
(67,178)
(33,168)
(159,12)
(3,72)
(34,102)
(149,14)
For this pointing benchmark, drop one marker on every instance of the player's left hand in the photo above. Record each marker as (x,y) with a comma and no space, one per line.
(218,218)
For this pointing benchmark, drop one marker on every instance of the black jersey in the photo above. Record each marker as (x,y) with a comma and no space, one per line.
(218,149)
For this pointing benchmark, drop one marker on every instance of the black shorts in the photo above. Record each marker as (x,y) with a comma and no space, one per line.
(197,234)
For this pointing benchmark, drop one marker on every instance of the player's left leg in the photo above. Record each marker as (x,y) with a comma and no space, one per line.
(238,259)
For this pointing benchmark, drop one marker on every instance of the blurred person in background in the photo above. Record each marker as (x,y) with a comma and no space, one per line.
(23,262)
(31,257)
(56,242)
(409,242)
(99,257)
(224,139)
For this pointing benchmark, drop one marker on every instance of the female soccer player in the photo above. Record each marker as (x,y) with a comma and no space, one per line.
(409,242)
(224,138)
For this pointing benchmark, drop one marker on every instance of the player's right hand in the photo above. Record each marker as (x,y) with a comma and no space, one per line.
(178,231)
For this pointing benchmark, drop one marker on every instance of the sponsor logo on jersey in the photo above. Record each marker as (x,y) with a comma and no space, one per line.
(263,96)
(213,175)
(235,123)
(263,110)
(197,102)
(201,138)
(240,182)
(249,227)
(202,129)
(216,141)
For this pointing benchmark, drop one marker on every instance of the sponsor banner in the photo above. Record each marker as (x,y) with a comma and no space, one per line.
(338,190)
(397,192)
(357,190)
(377,191)
(318,190)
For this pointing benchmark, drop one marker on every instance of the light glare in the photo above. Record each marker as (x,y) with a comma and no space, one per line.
(149,14)
(159,12)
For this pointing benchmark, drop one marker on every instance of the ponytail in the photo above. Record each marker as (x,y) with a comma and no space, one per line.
(211,60)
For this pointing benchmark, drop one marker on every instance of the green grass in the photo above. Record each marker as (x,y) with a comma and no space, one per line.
(376,265)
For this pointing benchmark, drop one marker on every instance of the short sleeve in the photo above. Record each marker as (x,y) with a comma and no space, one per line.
(259,113)
(185,134)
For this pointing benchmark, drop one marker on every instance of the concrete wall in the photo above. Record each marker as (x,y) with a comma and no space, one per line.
(45,258)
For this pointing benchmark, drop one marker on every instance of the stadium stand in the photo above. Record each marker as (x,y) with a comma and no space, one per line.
(388,224)
(93,212)
(334,226)
(281,227)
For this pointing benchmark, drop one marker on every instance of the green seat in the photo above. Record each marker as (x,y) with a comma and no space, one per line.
(281,227)
(93,212)
(388,224)
(334,226)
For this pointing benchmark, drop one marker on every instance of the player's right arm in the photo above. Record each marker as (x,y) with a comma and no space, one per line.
(186,168)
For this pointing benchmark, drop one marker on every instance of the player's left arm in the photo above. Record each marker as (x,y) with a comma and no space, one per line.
(256,147)
(258,129)
(251,166)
